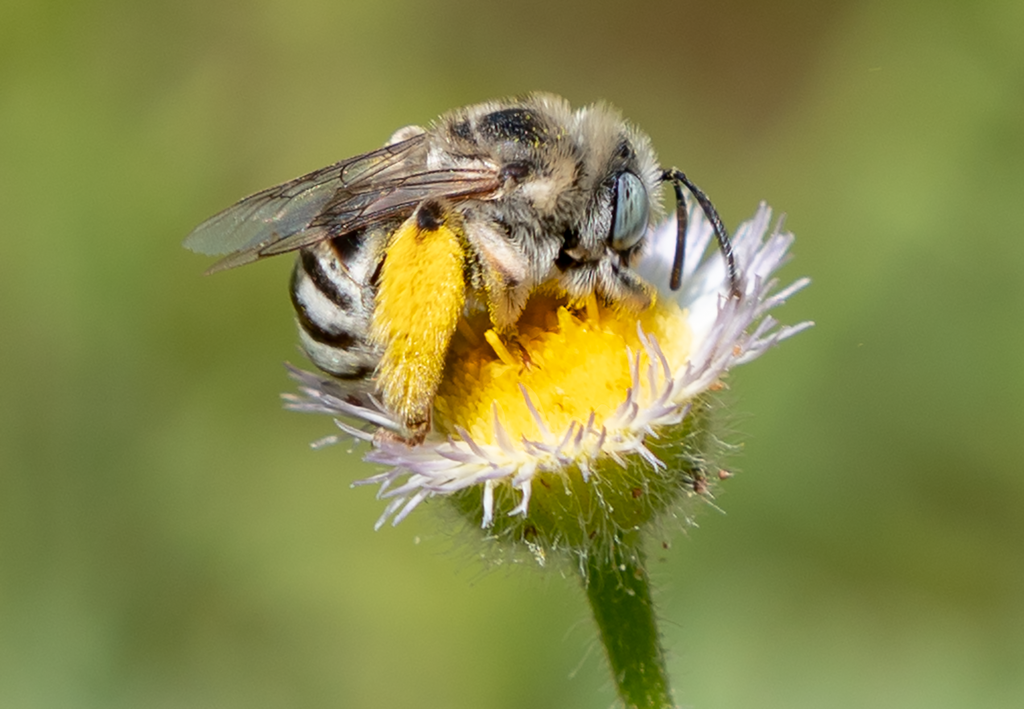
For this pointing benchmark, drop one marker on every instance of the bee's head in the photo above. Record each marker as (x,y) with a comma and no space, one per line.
(618,182)
(625,200)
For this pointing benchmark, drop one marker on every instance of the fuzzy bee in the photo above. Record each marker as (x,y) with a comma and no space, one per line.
(491,203)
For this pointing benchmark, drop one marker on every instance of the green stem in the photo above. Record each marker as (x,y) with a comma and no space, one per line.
(620,596)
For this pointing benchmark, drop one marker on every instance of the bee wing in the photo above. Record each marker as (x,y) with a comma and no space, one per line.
(332,201)
(282,212)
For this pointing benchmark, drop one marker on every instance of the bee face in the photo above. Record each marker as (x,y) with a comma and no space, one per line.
(485,207)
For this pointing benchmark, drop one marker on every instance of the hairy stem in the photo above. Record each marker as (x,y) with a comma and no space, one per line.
(619,592)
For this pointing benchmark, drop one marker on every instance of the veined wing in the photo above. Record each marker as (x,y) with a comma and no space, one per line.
(327,203)
(281,212)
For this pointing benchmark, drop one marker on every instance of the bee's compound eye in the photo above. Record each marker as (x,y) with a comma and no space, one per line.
(632,209)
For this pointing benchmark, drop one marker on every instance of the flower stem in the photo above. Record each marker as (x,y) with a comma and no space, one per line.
(619,592)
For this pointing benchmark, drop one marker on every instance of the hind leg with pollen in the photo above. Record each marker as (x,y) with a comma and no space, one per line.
(420,298)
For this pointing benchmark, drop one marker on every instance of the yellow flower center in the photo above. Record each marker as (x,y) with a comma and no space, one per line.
(571,363)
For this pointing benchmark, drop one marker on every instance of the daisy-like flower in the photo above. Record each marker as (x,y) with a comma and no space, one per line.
(585,425)
(590,421)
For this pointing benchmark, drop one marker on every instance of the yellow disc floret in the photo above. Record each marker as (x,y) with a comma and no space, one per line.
(571,363)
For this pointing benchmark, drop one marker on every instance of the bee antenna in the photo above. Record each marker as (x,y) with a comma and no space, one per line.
(678,179)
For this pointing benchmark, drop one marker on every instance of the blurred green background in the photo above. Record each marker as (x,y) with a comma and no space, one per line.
(168,539)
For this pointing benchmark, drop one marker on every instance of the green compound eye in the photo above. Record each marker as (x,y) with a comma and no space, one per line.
(632,208)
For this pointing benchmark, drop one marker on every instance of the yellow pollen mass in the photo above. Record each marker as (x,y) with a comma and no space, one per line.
(571,362)
(419,303)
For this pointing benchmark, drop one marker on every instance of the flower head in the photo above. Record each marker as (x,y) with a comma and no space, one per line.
(588,421)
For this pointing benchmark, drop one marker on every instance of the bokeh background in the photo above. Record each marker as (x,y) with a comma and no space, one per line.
(167,537)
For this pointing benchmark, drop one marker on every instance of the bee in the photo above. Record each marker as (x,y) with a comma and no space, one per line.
(488,205)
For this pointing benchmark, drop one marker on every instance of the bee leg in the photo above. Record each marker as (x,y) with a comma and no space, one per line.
(420,298)
(501,271)
(624,287)
(413,435)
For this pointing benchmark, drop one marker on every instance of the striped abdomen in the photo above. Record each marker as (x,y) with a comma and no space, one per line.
(332,289)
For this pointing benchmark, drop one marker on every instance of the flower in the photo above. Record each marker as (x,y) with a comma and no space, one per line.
(590,421)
